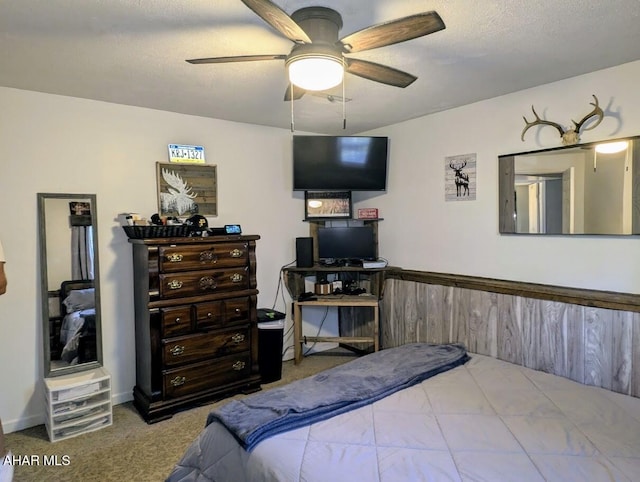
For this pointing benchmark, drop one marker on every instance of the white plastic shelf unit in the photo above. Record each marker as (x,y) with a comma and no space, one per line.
(78,403)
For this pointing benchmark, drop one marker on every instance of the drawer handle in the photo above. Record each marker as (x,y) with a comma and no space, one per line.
(238,311)
(207,283)
(237,338)
(239,365)
(174,284)
(236,253)
(177,350)
(174,258)
(178,320)
(236,278)
(209,315)
(177,381)
(208,256)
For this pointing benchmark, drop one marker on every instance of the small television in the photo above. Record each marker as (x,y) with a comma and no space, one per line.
(351,242)
(335,163)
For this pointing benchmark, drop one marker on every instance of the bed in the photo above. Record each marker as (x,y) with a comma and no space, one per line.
(484,420)
(78,328)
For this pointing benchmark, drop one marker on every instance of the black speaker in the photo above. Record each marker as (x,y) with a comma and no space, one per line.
(304,252)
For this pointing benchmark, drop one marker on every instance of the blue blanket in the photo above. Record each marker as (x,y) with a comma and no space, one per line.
(334,391)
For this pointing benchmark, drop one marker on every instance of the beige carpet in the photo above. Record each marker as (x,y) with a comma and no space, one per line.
(132,450)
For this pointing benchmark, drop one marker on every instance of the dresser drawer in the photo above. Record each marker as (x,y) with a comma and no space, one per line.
(209,315)
(192,348)
(215,314)
(236,310)
(188,258)
(203,376)
(175,321)
(197,283)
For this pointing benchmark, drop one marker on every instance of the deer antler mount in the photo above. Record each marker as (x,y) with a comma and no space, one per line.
(569,136)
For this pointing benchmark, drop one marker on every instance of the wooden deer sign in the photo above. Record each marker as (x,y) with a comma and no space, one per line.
(569,136)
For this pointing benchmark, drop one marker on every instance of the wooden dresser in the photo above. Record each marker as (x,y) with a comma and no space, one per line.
(196,321)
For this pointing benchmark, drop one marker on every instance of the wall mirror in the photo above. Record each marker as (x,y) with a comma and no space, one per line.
(70,289)
(587,189)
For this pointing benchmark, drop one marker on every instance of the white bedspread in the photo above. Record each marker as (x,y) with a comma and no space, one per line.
(485,421)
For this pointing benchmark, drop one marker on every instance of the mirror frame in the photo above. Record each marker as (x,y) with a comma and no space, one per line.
(44,288)
(506,189)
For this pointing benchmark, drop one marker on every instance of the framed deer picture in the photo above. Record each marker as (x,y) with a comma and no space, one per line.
(460,178)
(187,189)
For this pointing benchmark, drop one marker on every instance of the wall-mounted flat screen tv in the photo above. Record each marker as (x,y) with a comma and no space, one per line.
(334,163)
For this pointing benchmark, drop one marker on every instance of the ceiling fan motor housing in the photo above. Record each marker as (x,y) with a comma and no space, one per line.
(322,25)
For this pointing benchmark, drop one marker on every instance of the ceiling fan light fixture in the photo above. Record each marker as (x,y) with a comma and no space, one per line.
(612,147)
(315,72)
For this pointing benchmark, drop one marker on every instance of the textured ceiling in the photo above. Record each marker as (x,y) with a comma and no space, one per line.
(133,52)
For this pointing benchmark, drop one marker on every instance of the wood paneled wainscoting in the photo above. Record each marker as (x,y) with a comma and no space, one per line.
(592,337)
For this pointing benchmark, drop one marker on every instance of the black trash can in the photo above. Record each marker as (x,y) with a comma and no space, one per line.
(270,333)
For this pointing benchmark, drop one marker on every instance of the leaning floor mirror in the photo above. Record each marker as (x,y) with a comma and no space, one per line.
(70,289)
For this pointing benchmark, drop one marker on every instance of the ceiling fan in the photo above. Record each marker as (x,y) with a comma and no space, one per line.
(317,61)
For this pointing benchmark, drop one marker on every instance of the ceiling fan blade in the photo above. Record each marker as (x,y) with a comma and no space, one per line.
(393,32)
(298,92)
(278,19)
(379,73)
(237,58)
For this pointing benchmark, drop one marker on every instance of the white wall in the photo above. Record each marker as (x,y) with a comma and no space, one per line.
(422,231)
(59,144)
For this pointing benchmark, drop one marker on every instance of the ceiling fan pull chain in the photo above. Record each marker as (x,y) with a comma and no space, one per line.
(292,123)
(344,97)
